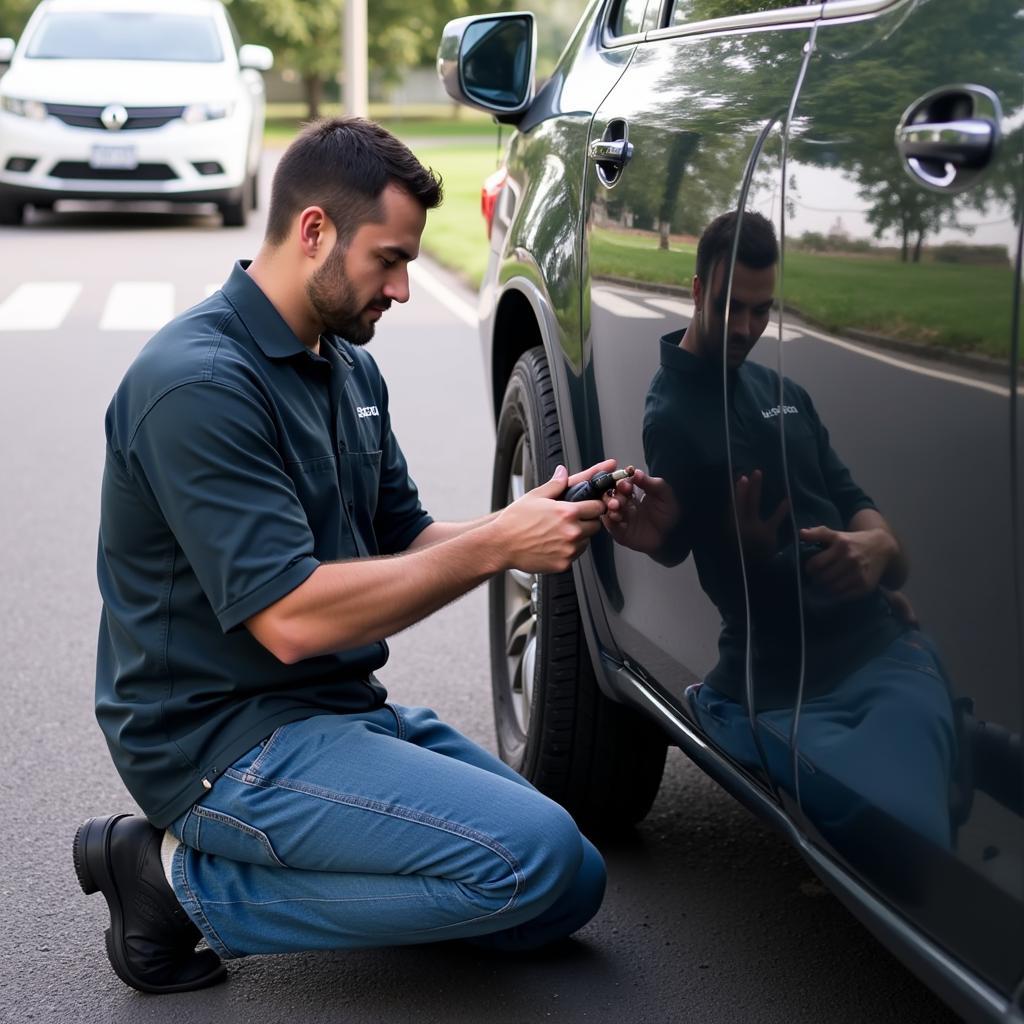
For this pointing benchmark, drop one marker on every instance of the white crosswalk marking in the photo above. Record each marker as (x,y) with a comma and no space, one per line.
(615,304)
(138,306)
(681,307)
(38,306)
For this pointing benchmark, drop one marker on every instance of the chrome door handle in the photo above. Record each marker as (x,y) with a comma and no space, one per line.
(617,152)
(966,143)
(948,137)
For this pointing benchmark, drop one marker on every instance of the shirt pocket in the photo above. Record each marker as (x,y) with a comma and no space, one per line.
(318,485)
(359,473)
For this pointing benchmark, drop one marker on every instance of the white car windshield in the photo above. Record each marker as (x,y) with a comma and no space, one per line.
(108,35)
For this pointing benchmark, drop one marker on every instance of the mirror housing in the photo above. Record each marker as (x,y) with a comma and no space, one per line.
(487,62)
(258,58)
(6,50)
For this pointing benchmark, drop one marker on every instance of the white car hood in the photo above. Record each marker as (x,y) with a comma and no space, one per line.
(131,83)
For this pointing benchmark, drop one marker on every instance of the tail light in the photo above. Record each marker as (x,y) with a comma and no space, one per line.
(493,184)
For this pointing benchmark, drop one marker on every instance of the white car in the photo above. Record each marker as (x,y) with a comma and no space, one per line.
(131,99)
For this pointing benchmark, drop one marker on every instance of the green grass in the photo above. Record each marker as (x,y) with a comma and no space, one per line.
(954,305)
(407,122)
(456,234)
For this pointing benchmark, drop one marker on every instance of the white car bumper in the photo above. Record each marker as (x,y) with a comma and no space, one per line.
(168,160)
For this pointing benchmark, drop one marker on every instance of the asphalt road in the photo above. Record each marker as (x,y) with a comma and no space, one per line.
(709,916)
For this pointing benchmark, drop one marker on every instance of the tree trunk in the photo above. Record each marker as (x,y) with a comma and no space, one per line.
(313,87)
(664,227)
(917,247)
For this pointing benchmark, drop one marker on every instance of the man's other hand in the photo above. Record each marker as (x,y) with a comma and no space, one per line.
(760,537)
(850,564)
(641,512)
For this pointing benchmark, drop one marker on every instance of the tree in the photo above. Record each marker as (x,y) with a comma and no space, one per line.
(13,15)
(305,35)
(857,85)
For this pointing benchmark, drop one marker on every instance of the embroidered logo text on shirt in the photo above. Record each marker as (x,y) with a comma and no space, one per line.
(366,410)
(774,411)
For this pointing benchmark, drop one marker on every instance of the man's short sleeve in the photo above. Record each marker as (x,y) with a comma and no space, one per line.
(206,454)
(400,517)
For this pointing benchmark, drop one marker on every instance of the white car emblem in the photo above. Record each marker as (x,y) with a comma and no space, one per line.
(114,117)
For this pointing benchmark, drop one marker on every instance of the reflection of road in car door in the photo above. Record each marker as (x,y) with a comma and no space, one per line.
(898,289)
(692,107)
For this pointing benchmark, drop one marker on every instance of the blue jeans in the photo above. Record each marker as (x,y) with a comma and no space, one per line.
(378,829)
(883,739)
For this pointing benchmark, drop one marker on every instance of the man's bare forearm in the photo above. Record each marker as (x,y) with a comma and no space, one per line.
(343,605)
(438,533)
(897,568)
(349,604)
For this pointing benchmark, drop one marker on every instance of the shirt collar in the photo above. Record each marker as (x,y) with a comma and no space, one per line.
(260,316)
(673,357)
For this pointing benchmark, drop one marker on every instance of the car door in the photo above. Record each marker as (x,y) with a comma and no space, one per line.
(670,149)
(902,225)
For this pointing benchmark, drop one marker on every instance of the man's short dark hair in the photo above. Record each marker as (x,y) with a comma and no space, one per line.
(758,247)
(343,164)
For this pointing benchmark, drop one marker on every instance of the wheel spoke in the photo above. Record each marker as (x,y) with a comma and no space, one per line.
(516,486)
(520,608)
(528,664)
(524,580)
(519,626)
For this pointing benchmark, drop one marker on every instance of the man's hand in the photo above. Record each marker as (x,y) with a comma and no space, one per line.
(901,607)
(539,533)
(852,564)
(641,512)
(760,537)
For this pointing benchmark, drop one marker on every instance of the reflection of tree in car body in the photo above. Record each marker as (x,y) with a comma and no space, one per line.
(876,728)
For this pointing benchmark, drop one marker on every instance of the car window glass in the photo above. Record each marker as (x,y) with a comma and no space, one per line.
(684,11)
(628,18)
(97,35)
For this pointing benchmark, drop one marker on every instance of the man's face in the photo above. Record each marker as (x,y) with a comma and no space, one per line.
(354,285)
(749,308)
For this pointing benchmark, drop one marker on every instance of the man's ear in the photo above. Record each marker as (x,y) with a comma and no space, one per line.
(697,287)
(316,232)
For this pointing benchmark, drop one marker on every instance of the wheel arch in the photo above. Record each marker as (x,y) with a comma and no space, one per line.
(522,319)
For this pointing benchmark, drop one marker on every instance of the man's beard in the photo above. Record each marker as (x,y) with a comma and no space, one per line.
(334,300)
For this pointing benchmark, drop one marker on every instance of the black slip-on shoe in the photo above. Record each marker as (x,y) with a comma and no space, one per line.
(151,942)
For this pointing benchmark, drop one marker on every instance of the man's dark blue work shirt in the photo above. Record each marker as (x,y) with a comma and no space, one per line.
(237,461)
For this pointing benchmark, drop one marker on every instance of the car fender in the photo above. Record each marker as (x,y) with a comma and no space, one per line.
(522,296)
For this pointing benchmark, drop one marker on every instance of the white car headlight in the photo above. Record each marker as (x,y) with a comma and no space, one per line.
(196,113)
(32,109)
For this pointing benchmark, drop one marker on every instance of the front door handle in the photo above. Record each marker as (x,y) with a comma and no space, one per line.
(954,144)
(612,151)
(617,152)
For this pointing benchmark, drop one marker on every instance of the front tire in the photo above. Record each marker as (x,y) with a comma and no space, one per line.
(12,212)
(601,760)
(235,211)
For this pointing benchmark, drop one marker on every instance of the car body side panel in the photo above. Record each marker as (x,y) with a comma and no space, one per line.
(909,766)
(693,121)
(537,224)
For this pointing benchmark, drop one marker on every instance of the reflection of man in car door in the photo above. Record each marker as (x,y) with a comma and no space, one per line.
(876,718)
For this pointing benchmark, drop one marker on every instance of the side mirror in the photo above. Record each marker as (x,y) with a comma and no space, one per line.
(6,50)
(259,58)
(487,62)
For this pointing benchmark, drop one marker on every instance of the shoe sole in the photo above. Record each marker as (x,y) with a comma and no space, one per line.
(91,854)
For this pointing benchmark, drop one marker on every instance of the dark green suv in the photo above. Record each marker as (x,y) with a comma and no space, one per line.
(770,254)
